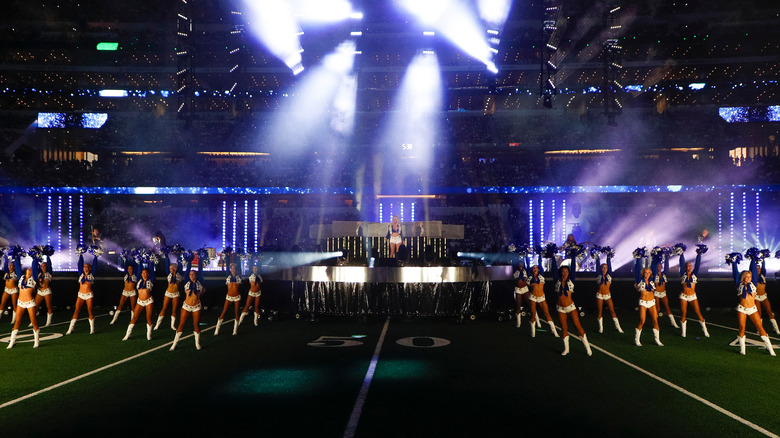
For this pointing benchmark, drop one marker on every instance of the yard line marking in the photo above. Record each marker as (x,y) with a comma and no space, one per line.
(686,392)
(95,371)
(361,399)
(747,332)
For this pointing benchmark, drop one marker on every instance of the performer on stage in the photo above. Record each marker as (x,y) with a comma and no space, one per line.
(564,287)
(746,290)
(193,289)
(394,236)
(145,301)
(660,289)
(85,295)
(254,295)
(233,296)
(763,304)
(536,284)
(688,296)
(171,294)
(11,277)
(604,281)
(647,303)
(44,291)
(521,290)
(130,280)
(26,304)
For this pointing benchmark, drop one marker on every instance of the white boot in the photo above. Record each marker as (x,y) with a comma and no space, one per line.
(684,325)
(774,325)
(601,325)
(538,322)
(257,316)
(116,316)
(704,329)
(13,316)
(148,332)
(768,344)
(241,319)
(533,329)
(91,326)
(519,318)
(216,330)
(742,345)
(235,327)
(565,346)
(587,345)
(159,321)
(617,325)
(13,339)
(129,330)
(637,334)
(674,323)
(552,329)
(70,328)
(197,341)
(175,340)
(48,319)
(37,337)
(173,322)
(657,337)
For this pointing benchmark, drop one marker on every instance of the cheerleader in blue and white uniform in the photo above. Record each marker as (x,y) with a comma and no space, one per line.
(689,271)
(661,281)
(13,271)
(233,281)
(129,291)
(564,288)
(26,304)
(646,287)
(604,281)
(145,301)
(171,295)
(254,295)
(395,236)
(44,291)
(536,285)
(521,289)
(193,290)
(762,298)
(85,294)
(746,290)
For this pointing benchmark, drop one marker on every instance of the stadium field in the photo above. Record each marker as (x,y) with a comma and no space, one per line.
(382,377)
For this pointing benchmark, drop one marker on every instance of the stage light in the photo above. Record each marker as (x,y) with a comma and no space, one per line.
(112,93)
(324,11)
(273,23)
(107,46)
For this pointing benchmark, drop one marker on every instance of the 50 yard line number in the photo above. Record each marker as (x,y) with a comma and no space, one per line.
(349,341)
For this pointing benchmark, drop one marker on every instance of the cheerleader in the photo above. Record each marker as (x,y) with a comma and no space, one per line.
(171,294)
(129,291)
(689,271)
(564,288)
(521,289)
(145,301)
(604,281)
(747,292)
(536,284)
(26,303)
(660,289)
(193,289)
(394,236)
(233,296)
(85,295)
(44,291)
(763,304)
(646,288)
(254,295)
(11,290)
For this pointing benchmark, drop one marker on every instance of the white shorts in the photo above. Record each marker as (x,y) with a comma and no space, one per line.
(603,297)
(233,299)
(26,304)
(536,299)
(146,302)
(129,293)
(396,240)
(659,294)
(746,310)
(188,308)
(760,298)
(11,291)
(570,308)
(171,295)
(647,303)
(44,292)
(521,291)
(688,298)
(87,296)
(255,294)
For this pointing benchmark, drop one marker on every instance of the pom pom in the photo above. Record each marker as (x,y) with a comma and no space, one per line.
(766,253)
(753,254)
(81,249)
(550,250)
(572,249)
(679,248)
(35,253)
(656,252)
(640,252)
(777,254)
(523,250)
(512,247)
(734,257)
(701,248)
(16,252)
(203,255)
(177,249)
(538,249)
(47,250)
(227,250)
(96,250)
(165,250)
(188,256)
(608,251)
(594,251)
